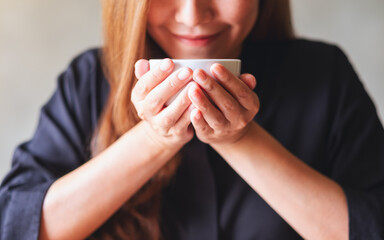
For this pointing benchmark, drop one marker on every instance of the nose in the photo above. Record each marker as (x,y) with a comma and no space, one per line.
(194,12)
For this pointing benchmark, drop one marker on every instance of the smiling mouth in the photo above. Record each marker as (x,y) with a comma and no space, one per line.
(196,40)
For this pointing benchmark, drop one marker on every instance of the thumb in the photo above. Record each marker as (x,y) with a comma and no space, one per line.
(141,67)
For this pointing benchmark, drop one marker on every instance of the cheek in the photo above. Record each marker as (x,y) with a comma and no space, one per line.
(157,13)
(152,19)
(242,15)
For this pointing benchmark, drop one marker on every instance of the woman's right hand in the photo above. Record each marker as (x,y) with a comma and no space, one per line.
(167,125)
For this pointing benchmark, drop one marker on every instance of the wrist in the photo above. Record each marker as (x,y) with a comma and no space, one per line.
(161,143)
(239,137)
(245,138)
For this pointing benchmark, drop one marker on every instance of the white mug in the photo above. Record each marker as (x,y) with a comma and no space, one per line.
(233,65)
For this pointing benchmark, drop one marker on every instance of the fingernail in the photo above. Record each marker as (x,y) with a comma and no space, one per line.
(183,74)
(165,65)
(218,69)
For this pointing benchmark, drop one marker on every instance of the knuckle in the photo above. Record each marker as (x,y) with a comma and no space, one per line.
(172,83)
(203,129)
(219,132)
(256,109)
(141,88)
(184,99)
(256,104)
(168,121)
(134,94)
(163,132)
(225,77)
(203,107)
(133,98)
(257,100)
(158,74)
(228,105)
(243,94)
(209,86)
(242,122)
(155,74)
(160,130)
(141,115)
(223,132)
(157,101)
(139,110)
(156,128)
(178,131)
(218,123)
(153,103)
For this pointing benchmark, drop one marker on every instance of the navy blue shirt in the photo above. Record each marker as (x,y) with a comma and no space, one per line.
(312,102)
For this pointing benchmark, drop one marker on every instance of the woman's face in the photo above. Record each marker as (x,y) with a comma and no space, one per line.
(201,28)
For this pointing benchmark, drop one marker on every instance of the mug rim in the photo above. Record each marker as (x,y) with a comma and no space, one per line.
(201,60)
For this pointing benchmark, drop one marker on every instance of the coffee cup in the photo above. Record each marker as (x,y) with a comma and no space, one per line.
(233,65)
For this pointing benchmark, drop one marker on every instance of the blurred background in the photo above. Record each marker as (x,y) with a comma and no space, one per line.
(39,38)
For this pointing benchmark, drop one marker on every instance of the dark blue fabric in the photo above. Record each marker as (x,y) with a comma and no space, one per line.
(60,144)
(311,101)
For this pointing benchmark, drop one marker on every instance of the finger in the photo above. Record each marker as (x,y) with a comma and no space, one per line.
(152,78)
(220,96)
(238,89)
(170,115)
(158,97)
(182,125)
(249,80)
(199,123)
(214,118)
(141,67)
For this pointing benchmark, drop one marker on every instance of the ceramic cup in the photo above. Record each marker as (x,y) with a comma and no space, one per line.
(233,65)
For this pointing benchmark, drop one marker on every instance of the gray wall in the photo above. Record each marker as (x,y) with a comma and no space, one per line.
(38,39)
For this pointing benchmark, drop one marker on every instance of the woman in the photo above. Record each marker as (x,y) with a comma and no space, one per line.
(109,161)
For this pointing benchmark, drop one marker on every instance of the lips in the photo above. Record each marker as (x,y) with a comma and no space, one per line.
(196,40)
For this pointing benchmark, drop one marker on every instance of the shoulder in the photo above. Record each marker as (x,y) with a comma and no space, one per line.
(310,59)
(88,59)
(83,76)
(84,68)
(313,52)
(312,46)
(321,66)
(298,49)
(310,52)
(296,57)
(322,61)
(82,88)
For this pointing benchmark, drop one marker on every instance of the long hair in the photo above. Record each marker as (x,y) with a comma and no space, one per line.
(125,42)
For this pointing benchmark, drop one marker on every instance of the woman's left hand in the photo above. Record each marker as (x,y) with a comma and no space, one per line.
(226,107)
(314,205)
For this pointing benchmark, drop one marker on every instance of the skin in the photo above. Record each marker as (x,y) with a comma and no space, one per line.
(200,28)
(313,205)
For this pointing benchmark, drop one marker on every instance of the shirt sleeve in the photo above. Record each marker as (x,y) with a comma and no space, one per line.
(58,146)
(356,150)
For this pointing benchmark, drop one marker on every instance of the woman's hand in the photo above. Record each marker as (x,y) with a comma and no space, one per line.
(224,110)
(167,125)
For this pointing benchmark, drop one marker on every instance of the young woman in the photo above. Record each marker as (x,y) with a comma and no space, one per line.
(298,156)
